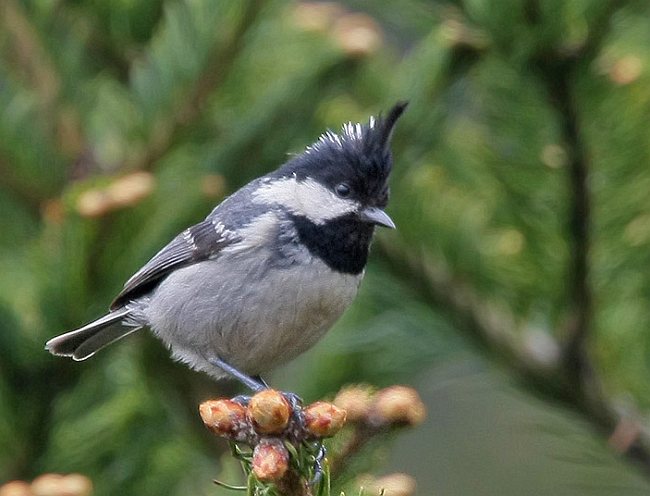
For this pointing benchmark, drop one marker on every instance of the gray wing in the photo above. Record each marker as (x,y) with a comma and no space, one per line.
(200,242)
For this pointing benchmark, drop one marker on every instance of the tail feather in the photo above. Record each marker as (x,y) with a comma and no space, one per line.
(84,342)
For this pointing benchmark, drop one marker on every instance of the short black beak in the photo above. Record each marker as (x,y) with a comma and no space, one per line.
(377,216)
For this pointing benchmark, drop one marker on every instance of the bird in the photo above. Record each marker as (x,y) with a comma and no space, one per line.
(269,270)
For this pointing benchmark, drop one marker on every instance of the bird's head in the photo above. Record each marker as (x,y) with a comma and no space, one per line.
(341,175)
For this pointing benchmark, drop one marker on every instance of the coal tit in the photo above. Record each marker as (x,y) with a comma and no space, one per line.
(269,270)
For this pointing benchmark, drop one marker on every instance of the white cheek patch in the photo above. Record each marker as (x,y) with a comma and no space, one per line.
(307,198)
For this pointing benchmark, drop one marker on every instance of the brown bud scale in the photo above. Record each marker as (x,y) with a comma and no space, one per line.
(15,488)
(224,417)
(62,485)
(356,401)
(324,419)
(398,405)
(270,460)
(269,412)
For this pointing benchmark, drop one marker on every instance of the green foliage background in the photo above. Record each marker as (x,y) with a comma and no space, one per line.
(506,99)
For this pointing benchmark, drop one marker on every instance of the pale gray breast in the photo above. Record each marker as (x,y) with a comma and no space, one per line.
(247,310)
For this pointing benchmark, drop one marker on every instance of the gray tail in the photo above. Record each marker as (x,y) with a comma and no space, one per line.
(87,340)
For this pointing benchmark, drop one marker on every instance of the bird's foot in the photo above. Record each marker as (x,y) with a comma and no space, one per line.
(318,465)
(276,426)
(293,399)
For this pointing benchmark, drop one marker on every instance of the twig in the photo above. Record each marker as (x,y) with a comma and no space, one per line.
(360,437)
(558,70)
(557,76)
(294,484)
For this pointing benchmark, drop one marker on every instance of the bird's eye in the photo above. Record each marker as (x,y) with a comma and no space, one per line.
(343,190)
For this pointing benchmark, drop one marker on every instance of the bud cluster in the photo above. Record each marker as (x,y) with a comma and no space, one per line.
(391,406)
(50,485)
(266,422)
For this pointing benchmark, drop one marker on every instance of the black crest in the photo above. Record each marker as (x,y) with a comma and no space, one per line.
(359,154)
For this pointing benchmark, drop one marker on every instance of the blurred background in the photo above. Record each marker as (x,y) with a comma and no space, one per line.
(513,295)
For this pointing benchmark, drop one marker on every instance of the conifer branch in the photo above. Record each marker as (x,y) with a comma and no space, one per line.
(557,70)
(30,58)
(563,371)
(187,111)
(495,330)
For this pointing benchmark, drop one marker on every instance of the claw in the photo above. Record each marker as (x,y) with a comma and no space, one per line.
(296,427)
(294,400)
(318,465)
(242,399)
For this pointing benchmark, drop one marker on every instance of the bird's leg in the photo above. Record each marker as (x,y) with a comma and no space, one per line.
(243,399)
(259,379)
(250,382)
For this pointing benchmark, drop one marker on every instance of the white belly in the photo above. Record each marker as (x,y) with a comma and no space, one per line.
(249,315)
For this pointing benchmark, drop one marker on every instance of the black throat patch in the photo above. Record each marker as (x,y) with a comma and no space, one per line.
(341,243)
